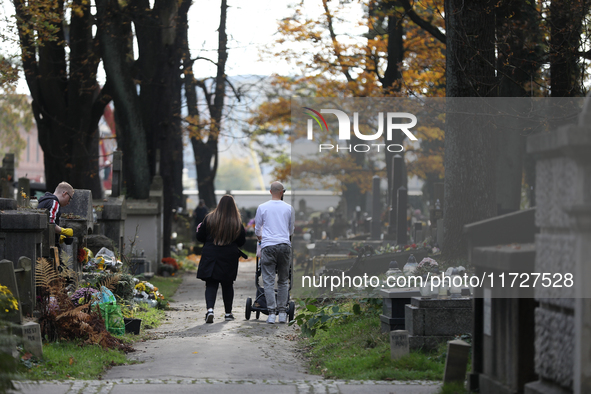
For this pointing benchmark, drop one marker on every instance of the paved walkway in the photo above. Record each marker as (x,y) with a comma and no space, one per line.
(246,356)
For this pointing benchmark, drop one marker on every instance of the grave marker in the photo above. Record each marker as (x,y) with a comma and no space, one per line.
(456,361)
(376,211)
(30,332)
(398,344)
(401,224)
(25,281)
(8,279)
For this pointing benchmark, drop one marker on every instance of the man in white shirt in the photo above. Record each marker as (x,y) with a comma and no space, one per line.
(274,224)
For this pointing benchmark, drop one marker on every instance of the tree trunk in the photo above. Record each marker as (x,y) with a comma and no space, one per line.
(469,160)
(65,96)
(206,152)
(565,36)
(517,39)
(113,29)
(157,31)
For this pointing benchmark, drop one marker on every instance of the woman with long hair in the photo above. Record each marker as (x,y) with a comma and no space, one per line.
(222,233)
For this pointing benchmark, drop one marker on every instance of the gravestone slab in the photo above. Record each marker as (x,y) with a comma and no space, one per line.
(456,361)
(25,281)
(433,321)
(30,332)
(81,205)
(8,279)
(398,344)
(7,204)
(393,307)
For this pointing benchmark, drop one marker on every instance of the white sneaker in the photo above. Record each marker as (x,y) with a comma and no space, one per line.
(282,317)
(271,319)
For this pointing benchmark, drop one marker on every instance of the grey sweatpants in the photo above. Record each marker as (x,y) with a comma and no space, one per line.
(276,259)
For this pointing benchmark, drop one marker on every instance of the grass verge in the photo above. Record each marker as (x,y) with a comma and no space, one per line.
(355,348)
(69,360)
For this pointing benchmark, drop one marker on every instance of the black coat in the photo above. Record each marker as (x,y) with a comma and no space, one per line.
(219,262)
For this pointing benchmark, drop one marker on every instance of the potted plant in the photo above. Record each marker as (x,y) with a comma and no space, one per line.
(132,325)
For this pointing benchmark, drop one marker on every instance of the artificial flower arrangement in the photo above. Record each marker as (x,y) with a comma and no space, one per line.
(146,290)
(104,260)
(427,266)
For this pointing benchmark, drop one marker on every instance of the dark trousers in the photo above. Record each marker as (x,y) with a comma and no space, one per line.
(211,292)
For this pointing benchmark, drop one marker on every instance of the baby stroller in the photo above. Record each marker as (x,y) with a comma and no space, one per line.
(260,303)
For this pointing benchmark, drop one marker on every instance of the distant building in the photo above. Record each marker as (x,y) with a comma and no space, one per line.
(30,165)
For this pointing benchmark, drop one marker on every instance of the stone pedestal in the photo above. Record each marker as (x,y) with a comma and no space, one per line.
(434,321)
(503,333)
(21,240)
(393,307)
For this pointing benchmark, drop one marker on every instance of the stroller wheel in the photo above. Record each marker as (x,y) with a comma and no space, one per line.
(248,308)
(258,314)
(291,310)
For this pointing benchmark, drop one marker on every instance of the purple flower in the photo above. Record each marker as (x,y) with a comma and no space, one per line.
(84,293)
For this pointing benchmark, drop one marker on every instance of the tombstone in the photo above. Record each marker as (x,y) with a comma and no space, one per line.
(21,231)
(8,279)
(80,205)
(439,234)
(144,225)
(111,214)
(397,164)
(117,179)
(563,213)
(394,303)
(398,344)
(430,322)
(25,281)
(417,232)
(456,361)
(30,332)
(78,216)
(503,335)
(376,209)
(7,176)
(401,225)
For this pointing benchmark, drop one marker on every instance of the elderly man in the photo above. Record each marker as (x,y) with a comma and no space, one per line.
(274,224)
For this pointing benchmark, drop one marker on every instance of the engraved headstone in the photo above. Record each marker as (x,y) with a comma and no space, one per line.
(30,332)
(398,344)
